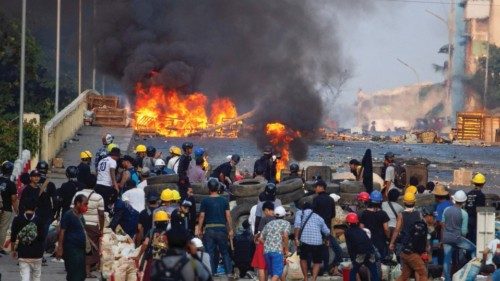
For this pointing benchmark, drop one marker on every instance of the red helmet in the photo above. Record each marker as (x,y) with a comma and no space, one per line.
(363,197)
(352,218)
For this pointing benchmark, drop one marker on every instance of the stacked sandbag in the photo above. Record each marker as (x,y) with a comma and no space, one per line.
(117,253)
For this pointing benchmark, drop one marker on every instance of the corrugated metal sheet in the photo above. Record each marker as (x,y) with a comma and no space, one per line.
(477,9)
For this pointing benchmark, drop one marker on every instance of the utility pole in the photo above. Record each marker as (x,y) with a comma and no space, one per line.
(58,49)
(93,47)
(79,47)
(21,82)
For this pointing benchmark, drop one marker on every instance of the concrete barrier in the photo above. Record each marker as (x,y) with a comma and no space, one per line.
(63,126)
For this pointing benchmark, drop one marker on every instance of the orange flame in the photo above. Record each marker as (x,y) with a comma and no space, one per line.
(172,114)
(280,137)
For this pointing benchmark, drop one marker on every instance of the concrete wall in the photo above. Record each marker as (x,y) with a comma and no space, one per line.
(63,126)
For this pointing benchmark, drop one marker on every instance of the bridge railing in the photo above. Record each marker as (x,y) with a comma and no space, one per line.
(63,126)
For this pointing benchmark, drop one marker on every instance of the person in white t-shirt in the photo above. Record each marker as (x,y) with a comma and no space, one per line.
(94,220)
(173,163)
(107,185)
(491,249)
(390,174)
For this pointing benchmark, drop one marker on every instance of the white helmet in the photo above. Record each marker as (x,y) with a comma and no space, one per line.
(335,197)
(108,138)
(197,242)
(459,196)
(159,162)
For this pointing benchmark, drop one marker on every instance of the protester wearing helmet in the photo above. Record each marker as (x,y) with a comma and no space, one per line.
(377,221)
(225,171)
(362,202)
(475,198)
(360,248)
(454,231)
(146,217)
(268,195)
(84,166)
(265,164)
(173,161)
(67,191)
(324,206)
(181,217)
(294,172)
(200,153)
(184,163)
(412,262)
(103,151)
(8,202)
(215,217)
(107,184)
(140,153)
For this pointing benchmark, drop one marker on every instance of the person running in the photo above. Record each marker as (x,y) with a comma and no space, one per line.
(223,171)
(184,163)
(68,189)
(27,233)
(8,201)
(410,259)
(309,230)
(215,215)
(71,245)
(275,236)
(103,151)
(84,166)
(360,248)
(376,220)
(107,185)
(475,198)
(455,227)
(94,221)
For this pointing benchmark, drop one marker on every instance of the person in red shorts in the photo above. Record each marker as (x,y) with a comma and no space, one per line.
(258,261)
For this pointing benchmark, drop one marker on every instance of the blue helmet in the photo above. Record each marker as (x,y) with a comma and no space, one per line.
(376,197)
(199,151)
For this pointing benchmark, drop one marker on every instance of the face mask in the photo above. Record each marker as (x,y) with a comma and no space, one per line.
(161,225)
(84,209)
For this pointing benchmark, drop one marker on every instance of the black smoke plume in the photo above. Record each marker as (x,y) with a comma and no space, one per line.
(270,55)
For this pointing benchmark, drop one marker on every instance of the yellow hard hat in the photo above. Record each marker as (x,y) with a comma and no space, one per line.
(479,179)
(85,154)
(409,198)
(167,195)
(176,195)
(161,216)
(175,150)
(411,189)
(140,148)
(111,146)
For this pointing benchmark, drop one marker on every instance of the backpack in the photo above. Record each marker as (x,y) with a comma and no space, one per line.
(417,238)
(163,271)
(399,176)
(28,234)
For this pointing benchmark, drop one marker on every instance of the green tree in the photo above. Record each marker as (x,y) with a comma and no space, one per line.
(477,80)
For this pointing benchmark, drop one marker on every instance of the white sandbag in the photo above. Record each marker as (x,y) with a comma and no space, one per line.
(469,271)
(396,272)
(293,268)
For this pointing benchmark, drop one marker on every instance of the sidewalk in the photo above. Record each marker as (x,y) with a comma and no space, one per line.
(88,138)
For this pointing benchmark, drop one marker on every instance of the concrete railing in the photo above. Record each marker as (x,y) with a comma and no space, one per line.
(63,126)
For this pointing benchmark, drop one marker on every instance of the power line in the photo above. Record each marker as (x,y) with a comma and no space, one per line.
(473,3)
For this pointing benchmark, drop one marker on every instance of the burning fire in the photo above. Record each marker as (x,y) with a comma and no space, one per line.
(172,114)
(280,137)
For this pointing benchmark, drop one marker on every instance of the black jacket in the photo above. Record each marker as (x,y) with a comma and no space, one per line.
(45,201)
(324,206)
(357,242)
(35,249)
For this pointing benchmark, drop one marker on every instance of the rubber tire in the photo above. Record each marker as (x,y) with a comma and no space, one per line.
(423,200)
(162,179)
(247,188)
(289,186)
(246,200)
(355,187)
(305,199)
(199,188)
(158,188)
(199,197)
(240,210)
(292,196)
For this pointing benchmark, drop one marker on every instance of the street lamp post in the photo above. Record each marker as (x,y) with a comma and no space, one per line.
(58,47)
(79,46)
(21,78)
(411,68)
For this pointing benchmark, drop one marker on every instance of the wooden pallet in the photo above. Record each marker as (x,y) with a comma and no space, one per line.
(96,101)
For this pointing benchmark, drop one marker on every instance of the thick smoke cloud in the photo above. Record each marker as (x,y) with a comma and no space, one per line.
(269,55)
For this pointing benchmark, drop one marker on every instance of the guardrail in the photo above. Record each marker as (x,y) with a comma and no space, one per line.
(63,126)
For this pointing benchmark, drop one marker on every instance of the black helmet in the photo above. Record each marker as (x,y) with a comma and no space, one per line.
(42,167)
(236,158)
(72,172)
(270,188)
(389,155)
(213,184)
(150,151)
(294,168)
(7,168)
(187,145)
(268,149)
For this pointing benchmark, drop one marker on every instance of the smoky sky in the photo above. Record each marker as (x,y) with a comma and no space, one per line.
(269,55)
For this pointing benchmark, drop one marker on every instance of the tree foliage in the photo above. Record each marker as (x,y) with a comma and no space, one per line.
(477,81)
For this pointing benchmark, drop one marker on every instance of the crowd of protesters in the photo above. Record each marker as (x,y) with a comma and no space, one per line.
(180,242)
